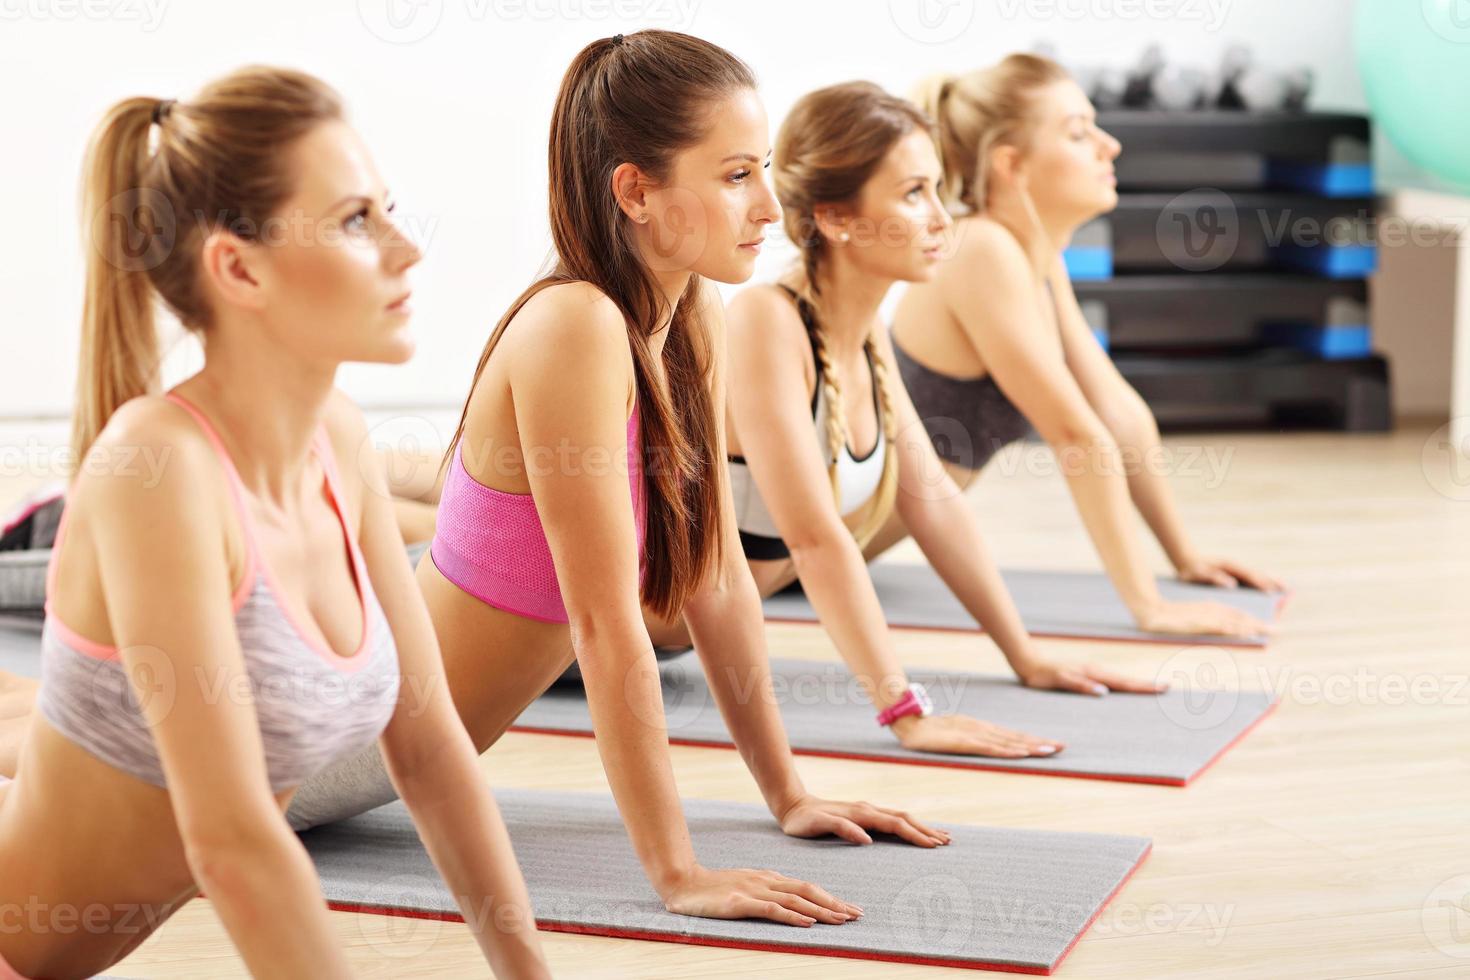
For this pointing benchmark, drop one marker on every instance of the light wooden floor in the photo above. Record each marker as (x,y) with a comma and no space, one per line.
(1333,842)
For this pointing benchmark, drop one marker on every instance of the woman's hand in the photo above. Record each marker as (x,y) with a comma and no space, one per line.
(1226,574)
(963,735)
(813,817)
(748,893)
(1199,618)
(1084,679)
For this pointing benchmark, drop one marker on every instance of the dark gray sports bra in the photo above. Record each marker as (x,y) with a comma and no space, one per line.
(969,420)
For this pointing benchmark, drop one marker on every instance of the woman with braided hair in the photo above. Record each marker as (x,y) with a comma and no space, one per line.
(824,444)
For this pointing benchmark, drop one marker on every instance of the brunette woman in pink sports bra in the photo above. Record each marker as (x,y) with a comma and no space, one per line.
(221,630)
(586,483)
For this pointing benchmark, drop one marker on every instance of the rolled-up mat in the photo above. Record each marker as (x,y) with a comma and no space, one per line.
(1168,738)
(1082,605)
(998,899)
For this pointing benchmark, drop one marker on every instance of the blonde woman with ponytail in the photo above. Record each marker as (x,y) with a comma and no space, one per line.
(203,620)
(995,344)
(824,444)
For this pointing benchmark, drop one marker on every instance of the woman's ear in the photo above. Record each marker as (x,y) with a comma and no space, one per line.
(230,270)
(630,189)
(833,222)
(1005,162)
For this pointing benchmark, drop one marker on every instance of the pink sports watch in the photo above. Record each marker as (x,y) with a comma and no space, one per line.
(915,701)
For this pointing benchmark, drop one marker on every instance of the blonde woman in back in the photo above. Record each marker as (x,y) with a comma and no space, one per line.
(825,446)
(995,343)
(218,635)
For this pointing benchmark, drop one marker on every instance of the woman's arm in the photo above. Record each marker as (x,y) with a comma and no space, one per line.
(165,574)
(994,295)
(1128,418)
(728,628)
(425,747)
(770,401)
(934,510)
(570,386)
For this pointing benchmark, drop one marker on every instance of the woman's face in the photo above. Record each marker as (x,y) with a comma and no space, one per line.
(1069,161)
(333,267)
(710,216)
(897,229)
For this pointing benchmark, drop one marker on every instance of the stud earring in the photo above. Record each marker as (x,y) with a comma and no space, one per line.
(842,237)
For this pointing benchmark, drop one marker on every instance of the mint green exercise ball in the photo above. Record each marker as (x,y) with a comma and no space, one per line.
(1415,59)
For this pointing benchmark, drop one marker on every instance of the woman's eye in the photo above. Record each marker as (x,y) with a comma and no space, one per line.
(357,221)
(739,175)
(913,194)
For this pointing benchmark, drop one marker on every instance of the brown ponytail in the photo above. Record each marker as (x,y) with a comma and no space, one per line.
(642,98)
(147,207)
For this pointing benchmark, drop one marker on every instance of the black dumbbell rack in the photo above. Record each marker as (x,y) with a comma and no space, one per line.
(1230,284)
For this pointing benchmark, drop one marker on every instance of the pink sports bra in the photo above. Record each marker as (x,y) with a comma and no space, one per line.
(491,543)
(314,705)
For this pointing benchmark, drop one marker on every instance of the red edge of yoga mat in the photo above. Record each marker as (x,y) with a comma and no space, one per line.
(664,937)
(1203,640)
(944,763)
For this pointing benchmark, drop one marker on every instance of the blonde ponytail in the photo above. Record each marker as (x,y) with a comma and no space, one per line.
(978,111)
(218,162)
(119,350)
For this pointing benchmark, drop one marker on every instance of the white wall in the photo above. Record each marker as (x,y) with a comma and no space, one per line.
(455,105)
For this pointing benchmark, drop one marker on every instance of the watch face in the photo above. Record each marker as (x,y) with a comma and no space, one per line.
(926,706)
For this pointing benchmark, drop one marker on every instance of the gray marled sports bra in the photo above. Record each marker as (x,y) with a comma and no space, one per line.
(969,420)
(314,706)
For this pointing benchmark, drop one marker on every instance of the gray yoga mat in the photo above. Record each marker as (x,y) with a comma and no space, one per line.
(1013,900)
(1069,604)
(1167,739)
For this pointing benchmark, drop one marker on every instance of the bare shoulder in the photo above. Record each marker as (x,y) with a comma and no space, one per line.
(569,327)
(982,245)
(764,314)
(151,461)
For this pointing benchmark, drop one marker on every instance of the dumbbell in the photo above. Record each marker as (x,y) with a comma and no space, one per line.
(1242,84)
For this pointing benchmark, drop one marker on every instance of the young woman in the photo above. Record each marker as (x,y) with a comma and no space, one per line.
(216,635)
(825,446)
(585,482)
(996,344)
